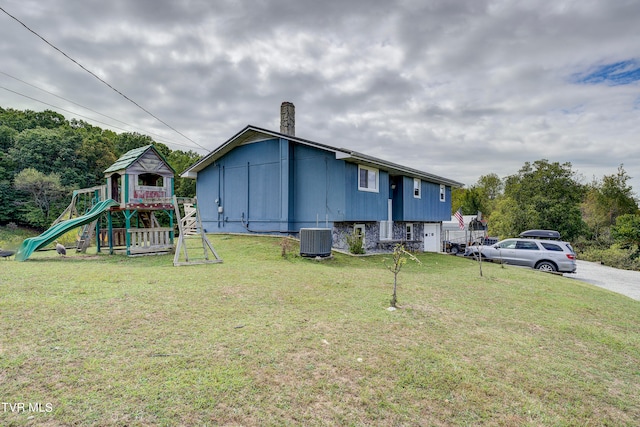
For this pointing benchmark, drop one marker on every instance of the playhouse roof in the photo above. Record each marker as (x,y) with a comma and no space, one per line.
(253,134)
(131,156)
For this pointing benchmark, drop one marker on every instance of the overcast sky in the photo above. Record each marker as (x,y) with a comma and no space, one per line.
(458,88)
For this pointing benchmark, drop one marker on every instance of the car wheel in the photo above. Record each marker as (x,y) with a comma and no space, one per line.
(546,266)
(454,250)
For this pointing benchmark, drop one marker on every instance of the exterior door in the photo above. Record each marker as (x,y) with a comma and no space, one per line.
(431,237)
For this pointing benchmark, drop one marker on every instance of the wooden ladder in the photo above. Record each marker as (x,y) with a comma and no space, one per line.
(148,219)
(86,235)
(190,225)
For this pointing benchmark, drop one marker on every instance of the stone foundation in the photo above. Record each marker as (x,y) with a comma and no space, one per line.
(372,242)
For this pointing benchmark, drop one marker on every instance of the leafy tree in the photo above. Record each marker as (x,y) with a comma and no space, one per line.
(7,137)
(7,192)
(509,218)
(49,151)
(594,215)
(45,191)
(626,231)
(96,153)
(480,197)
(605,201)
(130,140)
(541,195)
(180,161)
(617,195)
(469,200)
(48,119)
(7,196)
(457,195)
(15,119)
(490,188)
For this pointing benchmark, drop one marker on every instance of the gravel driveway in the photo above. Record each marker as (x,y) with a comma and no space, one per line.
(621,281)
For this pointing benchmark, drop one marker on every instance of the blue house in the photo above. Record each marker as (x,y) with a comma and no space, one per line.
(262,181)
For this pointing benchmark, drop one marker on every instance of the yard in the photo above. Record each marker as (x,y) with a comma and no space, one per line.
(263,339)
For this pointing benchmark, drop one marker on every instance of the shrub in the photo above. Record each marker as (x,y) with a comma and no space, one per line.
(355,243)
(614,256)
(286,246)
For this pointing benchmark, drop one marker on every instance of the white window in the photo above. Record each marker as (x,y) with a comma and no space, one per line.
(367,179)
(408,232)
(416,188)
(358,230)
(443,193)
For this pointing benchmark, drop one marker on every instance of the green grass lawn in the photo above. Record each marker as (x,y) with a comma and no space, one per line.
(265,340)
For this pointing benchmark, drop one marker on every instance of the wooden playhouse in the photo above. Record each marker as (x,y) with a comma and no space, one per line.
(142,182)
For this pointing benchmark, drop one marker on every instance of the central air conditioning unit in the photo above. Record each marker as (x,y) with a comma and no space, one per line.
(315,242)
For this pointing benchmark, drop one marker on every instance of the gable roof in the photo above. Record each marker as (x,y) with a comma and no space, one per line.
(131,156)
(253,134)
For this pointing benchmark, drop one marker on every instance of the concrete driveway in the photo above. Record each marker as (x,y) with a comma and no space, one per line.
(621,281)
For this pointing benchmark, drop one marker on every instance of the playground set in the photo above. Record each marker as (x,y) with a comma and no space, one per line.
(139,186)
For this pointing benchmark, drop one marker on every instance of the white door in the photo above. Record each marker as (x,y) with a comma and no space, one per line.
(431,237)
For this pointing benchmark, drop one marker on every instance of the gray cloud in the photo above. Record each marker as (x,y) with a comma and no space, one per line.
(459,89)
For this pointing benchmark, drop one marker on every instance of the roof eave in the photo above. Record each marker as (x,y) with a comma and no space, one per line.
(394,168)
(224,148)
(340,153)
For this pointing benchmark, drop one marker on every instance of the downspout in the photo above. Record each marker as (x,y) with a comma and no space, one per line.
(219,195)
(223,195)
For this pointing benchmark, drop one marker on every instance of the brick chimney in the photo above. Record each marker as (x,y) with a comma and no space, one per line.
(288,119)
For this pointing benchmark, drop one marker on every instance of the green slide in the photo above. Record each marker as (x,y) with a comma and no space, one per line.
(32,244)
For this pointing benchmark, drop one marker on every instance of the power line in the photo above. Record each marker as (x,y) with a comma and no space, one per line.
(100,79)
(82,106)
(88,118)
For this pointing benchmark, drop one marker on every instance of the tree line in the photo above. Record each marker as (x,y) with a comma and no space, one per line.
(601,218)
(44,157)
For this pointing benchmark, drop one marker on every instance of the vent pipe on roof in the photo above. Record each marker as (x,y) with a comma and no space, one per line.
(288,119)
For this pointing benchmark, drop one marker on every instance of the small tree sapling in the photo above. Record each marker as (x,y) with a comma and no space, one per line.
(399,258)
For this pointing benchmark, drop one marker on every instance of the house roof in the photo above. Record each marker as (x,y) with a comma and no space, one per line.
(130,157)
(253,134)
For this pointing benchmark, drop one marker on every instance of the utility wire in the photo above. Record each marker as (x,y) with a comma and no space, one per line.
(88,118)
(100,79)
(86,108)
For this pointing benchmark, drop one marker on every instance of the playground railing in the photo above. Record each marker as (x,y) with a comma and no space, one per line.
(144,240)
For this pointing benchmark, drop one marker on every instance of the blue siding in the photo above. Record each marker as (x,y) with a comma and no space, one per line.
(365,205)
(428,207)
(318,190)
(246,182)
(276,185)
(264,200)
(250,180)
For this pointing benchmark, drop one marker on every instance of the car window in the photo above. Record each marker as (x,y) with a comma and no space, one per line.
(570,248)
(527,245)
(551,247)
(507,244)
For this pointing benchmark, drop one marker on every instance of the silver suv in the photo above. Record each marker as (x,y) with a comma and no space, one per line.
(545,255)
